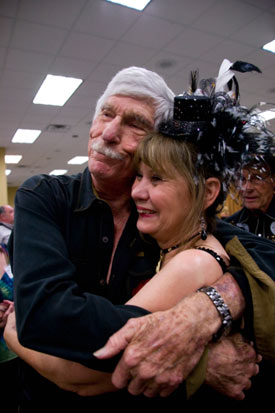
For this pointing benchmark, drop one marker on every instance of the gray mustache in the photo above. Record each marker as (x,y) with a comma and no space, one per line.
(99,146)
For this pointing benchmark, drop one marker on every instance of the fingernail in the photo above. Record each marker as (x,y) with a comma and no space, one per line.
(100,352)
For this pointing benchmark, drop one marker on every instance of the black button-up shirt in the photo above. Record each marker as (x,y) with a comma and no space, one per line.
(60,252)
(255,221)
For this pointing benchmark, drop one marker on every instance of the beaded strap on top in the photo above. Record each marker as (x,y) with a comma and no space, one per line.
(217,257)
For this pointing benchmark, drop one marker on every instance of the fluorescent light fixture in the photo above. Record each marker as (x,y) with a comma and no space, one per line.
(78,160)
(267,115)
(56,90)
(59,172)
(25,135)
(133,4)
(8,172)
(270,47)
(13,158)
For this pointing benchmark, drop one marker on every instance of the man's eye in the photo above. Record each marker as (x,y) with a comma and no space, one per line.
(136,125)
(107,113)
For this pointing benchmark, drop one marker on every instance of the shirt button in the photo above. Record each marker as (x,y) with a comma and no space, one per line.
(102,282)
(105,240)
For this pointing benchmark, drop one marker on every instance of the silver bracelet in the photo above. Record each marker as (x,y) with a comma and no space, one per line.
(222,309)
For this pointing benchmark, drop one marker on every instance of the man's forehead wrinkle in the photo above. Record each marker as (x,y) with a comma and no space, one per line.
(130,115)
(141,119)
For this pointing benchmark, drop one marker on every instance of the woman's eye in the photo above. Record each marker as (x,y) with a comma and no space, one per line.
(156,178)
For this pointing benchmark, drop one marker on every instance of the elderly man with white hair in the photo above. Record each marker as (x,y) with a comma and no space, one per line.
(83,258)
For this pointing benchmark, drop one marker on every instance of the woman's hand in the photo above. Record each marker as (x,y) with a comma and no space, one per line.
(6,308)
(66,374)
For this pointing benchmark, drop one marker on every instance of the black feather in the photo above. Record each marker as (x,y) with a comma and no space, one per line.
(244,67)
(193,81)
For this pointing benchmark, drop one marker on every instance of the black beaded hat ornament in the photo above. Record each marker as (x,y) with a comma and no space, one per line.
(210,117)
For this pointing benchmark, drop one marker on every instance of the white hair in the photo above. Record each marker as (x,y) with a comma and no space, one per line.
(140,83)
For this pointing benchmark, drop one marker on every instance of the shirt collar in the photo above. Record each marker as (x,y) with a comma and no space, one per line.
(6,224)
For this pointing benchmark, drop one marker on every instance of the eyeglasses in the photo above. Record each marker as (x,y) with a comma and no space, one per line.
(254,179)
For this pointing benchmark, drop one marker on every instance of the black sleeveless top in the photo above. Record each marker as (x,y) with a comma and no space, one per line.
(217,257)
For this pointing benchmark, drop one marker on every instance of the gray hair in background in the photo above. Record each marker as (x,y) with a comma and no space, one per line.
(140,83)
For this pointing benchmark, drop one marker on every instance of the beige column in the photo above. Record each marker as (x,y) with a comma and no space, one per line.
(3,179)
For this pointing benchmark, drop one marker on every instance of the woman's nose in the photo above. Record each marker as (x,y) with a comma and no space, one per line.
(139,190)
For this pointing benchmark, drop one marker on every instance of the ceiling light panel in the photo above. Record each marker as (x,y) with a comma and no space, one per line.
(13,158)
(78,160)
(56,90)
(267,115)
(25,135)
(270,47)
(133,4)
(58,172)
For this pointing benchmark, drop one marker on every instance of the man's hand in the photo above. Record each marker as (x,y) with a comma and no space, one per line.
(231,364)
(162,348)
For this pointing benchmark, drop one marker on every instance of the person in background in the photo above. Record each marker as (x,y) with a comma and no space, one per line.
(6,223)
(256,185)
(83,256)
(8,359)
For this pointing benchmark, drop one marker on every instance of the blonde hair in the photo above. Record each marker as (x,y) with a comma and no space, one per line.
(170,157)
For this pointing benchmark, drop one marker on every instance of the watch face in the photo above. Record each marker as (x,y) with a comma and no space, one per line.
(272,227)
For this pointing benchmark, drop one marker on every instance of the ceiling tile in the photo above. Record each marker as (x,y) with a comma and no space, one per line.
(192,43)
(227,49)
(126,54)
(6,27)
(105,19)
(36,37)
(226,17)
(61,13)
(152,32)
(67,66)
(104,71)
(263,4)
(33,62)
(3,53)
(167,64)
(85,46)
(258,32)
(22,80)
(9,7)
(182,11)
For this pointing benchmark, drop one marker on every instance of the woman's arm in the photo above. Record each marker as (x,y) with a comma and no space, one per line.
(182,275)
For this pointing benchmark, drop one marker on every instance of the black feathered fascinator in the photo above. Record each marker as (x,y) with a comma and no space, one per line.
(210,117)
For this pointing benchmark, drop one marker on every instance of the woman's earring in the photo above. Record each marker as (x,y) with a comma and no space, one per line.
(203,230)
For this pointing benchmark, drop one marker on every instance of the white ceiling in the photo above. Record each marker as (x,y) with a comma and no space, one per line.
(93,39)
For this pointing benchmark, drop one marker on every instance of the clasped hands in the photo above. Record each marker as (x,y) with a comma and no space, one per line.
(6,307)
(162,349)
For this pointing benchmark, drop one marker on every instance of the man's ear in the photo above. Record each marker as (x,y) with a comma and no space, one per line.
(212,190)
